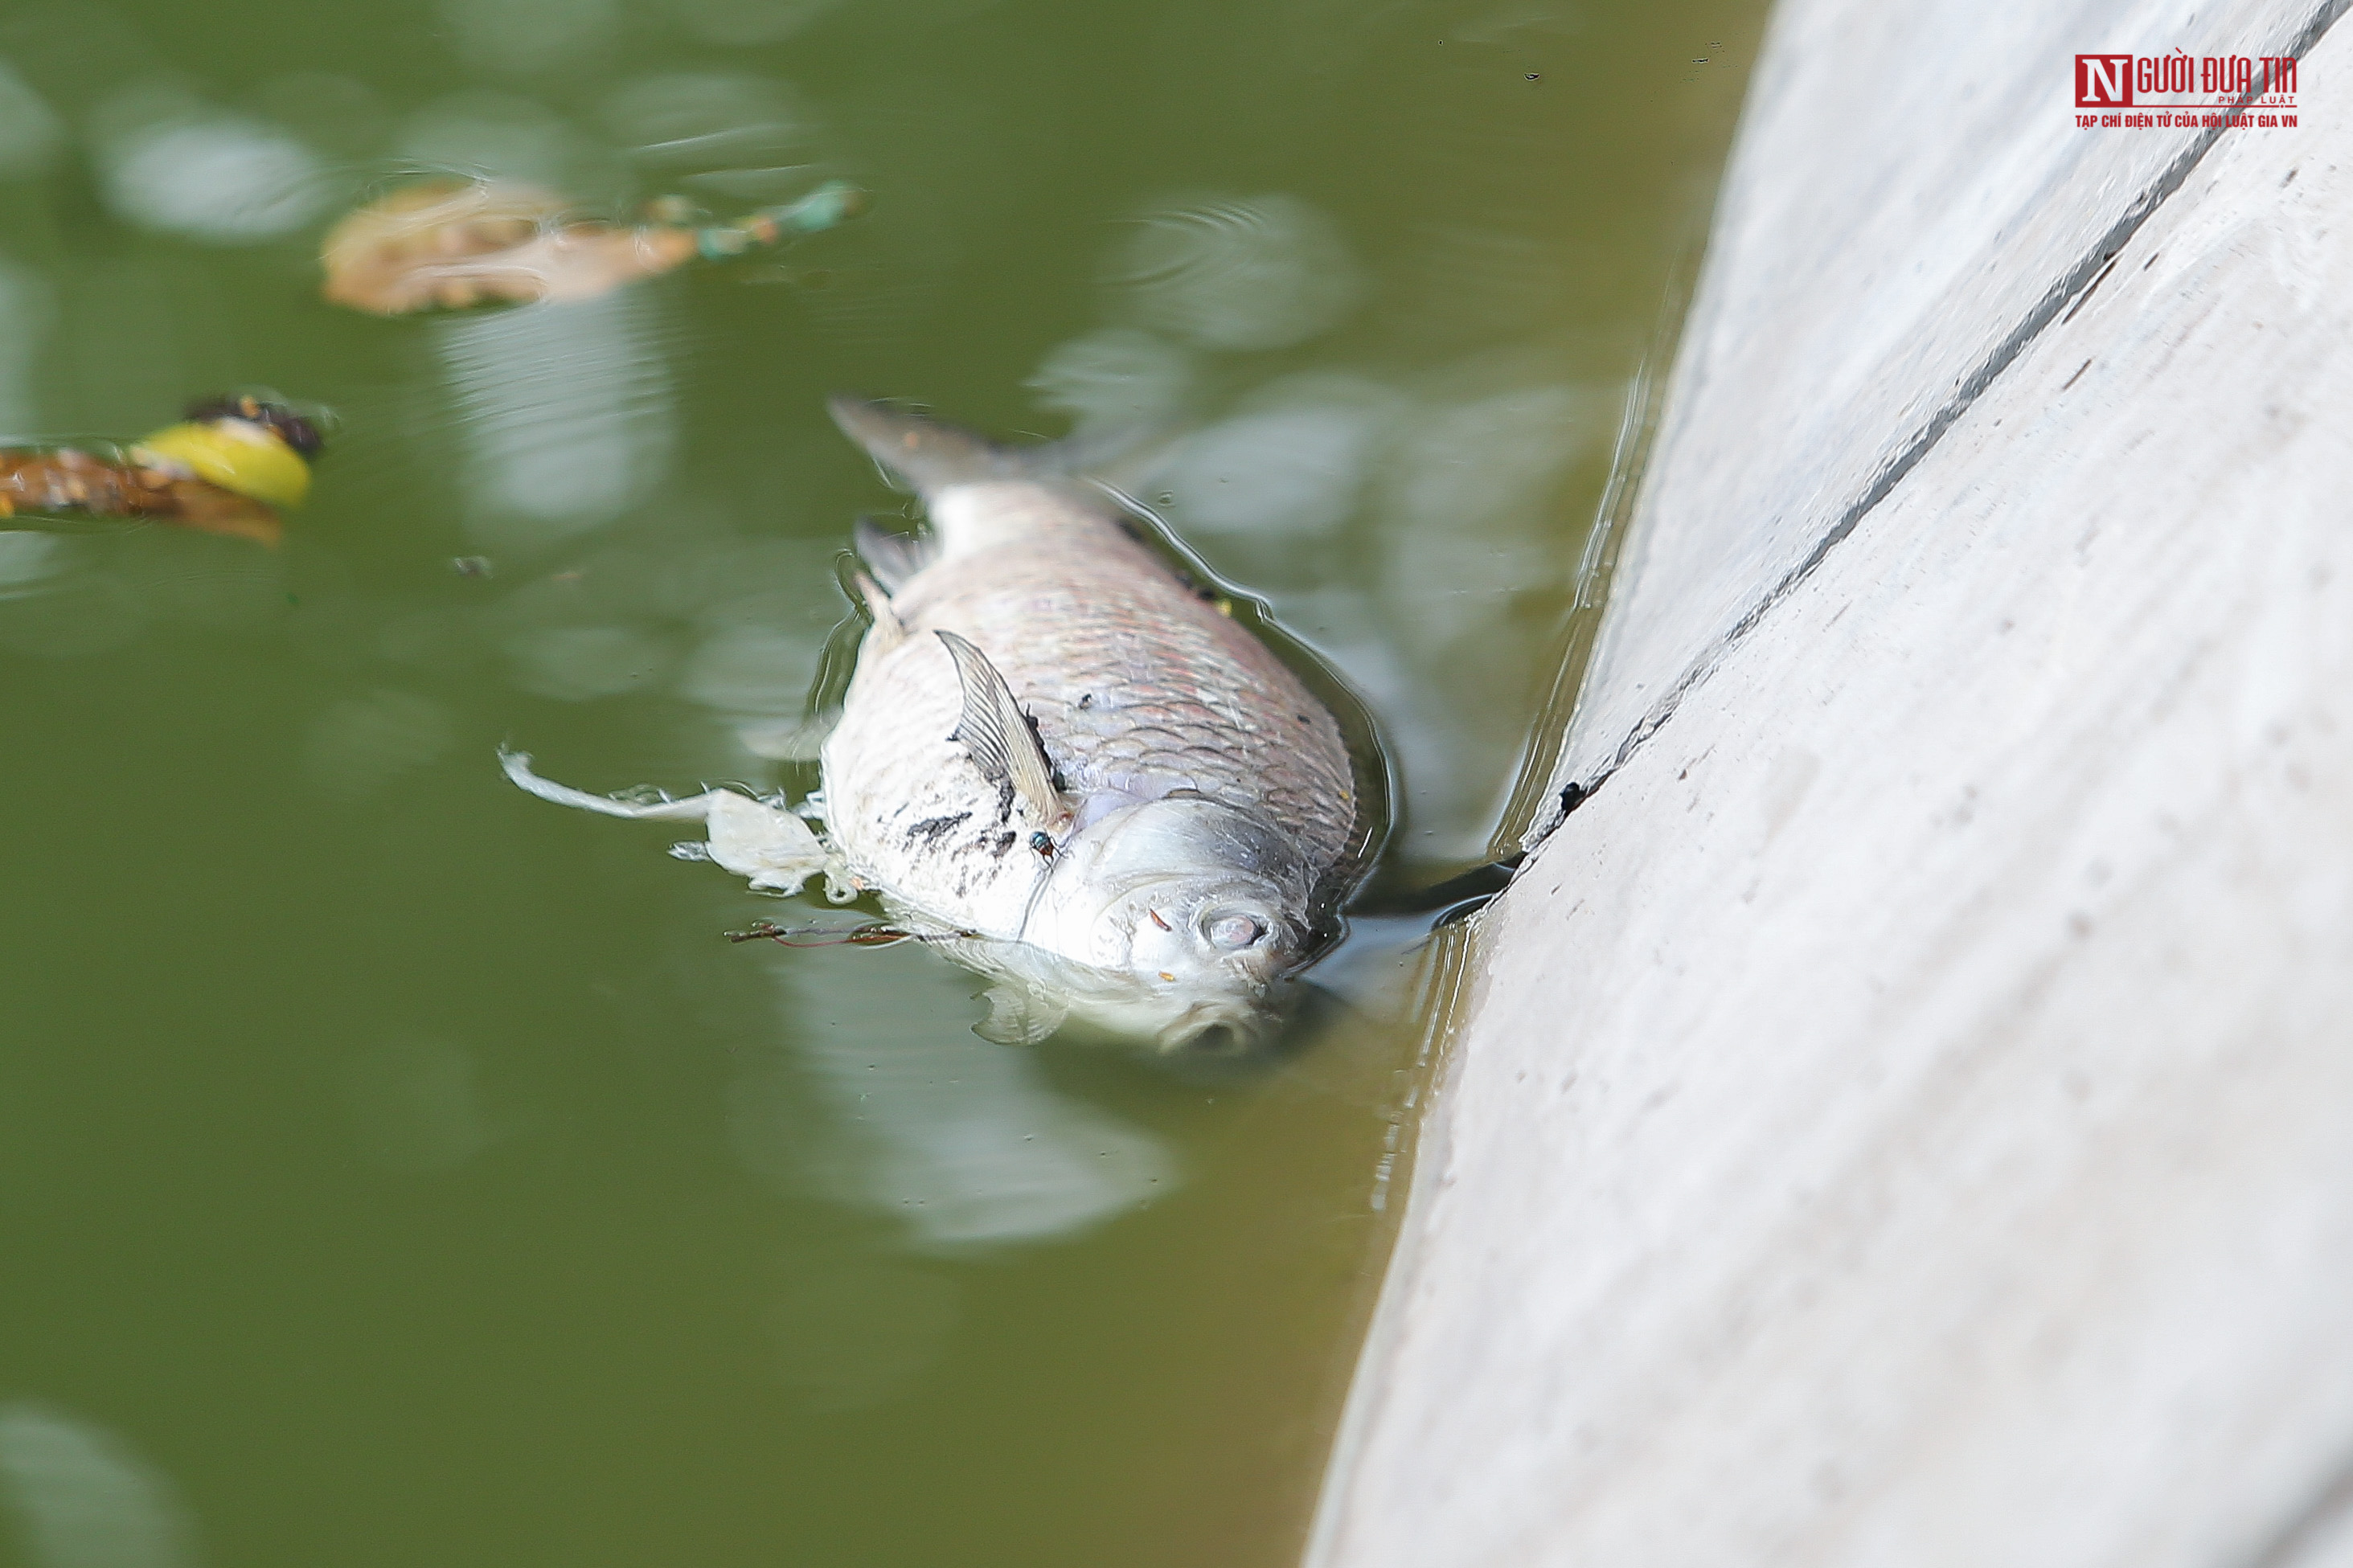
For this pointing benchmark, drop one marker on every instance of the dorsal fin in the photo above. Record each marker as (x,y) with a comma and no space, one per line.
(997,735)
(892,557)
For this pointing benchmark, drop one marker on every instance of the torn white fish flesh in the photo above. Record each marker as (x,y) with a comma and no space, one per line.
(766,845)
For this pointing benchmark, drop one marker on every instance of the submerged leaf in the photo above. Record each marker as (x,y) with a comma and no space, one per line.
(447,243)
(450,244)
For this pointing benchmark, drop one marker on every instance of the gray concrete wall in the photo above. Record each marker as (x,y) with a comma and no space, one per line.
(1906,1116)
(1908,207)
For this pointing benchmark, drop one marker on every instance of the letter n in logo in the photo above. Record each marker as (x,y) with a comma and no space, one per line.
(2103,82)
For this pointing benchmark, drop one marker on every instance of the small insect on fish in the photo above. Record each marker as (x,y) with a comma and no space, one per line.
(229,467)
(1036,676)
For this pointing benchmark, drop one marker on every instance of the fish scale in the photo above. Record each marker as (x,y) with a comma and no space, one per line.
(1136,685)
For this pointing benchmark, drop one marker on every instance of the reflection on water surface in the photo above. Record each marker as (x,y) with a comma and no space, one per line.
(958,1143)
(566,413)
(83,1498)
(392,1169)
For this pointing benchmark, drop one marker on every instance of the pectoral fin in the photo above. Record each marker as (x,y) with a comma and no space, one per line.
(997,735)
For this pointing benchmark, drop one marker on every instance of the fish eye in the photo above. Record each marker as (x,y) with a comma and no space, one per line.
(1233,932)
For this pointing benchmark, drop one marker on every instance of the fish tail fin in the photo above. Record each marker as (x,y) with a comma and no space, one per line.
(931,455)
(925,453)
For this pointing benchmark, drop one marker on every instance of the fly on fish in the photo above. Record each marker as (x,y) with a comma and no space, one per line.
(1057,763)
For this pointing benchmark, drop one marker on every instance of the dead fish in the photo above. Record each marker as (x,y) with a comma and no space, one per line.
(228,468)
(447,243)
(1063,766)
(1053,740)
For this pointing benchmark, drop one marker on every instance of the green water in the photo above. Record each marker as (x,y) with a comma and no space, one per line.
(397,1170)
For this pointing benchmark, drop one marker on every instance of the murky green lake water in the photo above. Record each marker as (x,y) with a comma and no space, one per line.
(396,1169)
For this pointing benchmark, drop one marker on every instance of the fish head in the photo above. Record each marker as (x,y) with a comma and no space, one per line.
(1198,908)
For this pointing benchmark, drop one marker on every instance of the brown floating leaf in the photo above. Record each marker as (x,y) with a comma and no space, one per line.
(68,482)
(451,243)
(447,243)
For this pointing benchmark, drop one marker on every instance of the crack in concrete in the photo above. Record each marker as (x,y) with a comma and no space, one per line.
(2080,278)
(2308,1525)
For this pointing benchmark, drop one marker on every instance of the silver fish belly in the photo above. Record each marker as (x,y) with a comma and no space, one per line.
(1188,806)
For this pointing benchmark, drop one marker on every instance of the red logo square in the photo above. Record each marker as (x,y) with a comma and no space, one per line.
(2103,82)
